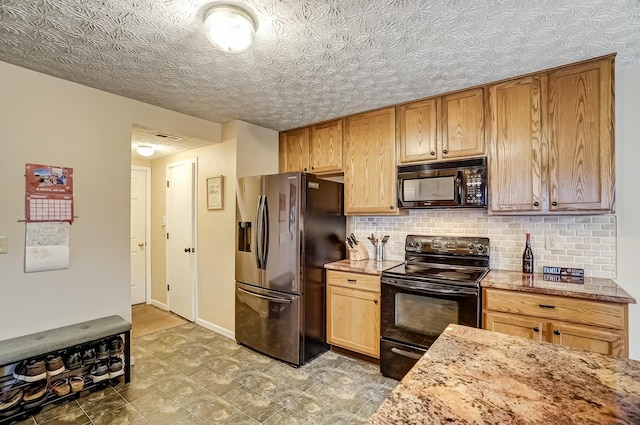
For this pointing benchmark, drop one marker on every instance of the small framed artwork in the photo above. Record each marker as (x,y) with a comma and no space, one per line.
(215,193)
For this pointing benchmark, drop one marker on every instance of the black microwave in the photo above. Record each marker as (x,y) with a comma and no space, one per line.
(448,184)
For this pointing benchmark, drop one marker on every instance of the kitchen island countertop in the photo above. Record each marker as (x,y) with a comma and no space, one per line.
(363,266)
(473,376)
(590,288)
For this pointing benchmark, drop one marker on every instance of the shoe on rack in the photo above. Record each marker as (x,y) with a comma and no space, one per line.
(88,356)
(115,367)
(61,387)
(116,345)
(77,383)
(30,370)
(10,400)
(73,360)
(35,394)
(102,349)
(99,371)
(55,366)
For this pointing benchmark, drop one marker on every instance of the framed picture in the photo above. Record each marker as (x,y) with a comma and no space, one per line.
(215,193)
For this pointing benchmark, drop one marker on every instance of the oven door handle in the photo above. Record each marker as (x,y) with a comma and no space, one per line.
(404,353)
(434,291)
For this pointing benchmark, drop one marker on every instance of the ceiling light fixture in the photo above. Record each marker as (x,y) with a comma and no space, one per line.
(145,150)
(230,28)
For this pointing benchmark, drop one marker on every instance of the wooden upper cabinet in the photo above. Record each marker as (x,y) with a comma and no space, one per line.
(461,124)
(416,131)
(294,150)
(369,163)
(325,147)
(581,160)
(514,138)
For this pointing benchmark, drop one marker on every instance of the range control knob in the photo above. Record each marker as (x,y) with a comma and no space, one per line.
(418,245)
(480,248)
(471,247)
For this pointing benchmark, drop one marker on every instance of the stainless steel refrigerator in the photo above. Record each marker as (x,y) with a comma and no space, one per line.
(288,226)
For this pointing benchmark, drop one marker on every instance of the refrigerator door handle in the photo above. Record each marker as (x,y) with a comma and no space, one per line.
(259,233)
(265,297)
(265,232)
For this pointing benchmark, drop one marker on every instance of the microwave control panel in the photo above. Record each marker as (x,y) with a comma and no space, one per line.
(474,186)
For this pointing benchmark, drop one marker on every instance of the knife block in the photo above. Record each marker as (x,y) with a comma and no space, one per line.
(357,253)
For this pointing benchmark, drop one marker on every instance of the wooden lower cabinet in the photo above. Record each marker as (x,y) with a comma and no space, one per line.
(353,313)
(556,320)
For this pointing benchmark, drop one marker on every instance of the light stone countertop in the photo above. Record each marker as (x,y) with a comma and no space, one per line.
(592,288)
(363,266)
(474,376)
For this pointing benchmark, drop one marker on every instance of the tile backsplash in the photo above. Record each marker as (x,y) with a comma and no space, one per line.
(587,242)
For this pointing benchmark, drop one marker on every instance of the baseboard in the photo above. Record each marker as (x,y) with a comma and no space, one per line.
(159,305)
(216,328)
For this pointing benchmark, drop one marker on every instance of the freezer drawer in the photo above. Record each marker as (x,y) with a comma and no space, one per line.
(269,322)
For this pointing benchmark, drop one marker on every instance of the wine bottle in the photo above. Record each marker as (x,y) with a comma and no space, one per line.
(527,257)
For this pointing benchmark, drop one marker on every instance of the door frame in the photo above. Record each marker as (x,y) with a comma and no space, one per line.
(194,232)
(147,231)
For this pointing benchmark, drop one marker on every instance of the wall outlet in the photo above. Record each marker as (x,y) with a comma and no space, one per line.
(550,242)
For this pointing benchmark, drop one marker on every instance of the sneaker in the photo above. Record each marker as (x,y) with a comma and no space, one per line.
(35,394)
(99,371)
(74,360)
(76,383)
(88,356)
(10,400)
(55,366)
(61,387)
(115,367)
(102,349)
(30,370)
(116,345)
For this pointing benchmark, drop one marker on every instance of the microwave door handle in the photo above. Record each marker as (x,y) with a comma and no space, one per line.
(459,187)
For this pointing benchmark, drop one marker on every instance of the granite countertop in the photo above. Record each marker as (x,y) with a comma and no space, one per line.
(473,376)
(362,266)
(592,288)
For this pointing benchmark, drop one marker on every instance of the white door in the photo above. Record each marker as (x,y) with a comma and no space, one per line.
(180,238)
(140,177)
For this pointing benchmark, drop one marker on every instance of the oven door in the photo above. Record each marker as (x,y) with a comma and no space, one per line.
(417,313)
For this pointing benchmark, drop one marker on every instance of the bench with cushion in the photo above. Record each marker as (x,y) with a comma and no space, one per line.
(38,344)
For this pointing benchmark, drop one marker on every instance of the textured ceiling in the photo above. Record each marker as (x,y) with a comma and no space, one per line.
(164,144)
(312,60)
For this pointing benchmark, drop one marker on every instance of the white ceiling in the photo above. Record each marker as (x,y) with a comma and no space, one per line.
(312,60)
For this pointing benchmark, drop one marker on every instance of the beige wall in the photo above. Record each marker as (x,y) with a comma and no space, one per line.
(627,201)
(47,120)
(244,148)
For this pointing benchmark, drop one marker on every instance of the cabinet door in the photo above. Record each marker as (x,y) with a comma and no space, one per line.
(353,320)
(461,129)
(515,325)
(416,131)
(294,150)
(515,145)
(369,163)
(325,147)
(581,163)
(590,338)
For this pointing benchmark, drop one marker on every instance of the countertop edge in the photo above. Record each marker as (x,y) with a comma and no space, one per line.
(368,266)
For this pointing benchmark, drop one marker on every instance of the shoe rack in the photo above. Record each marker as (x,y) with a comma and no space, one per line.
(80,370)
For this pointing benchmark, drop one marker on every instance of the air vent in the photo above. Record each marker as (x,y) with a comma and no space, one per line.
(168,136)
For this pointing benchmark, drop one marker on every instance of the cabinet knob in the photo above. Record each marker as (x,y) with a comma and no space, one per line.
(536,329)
(432,153)
(391,207)
(375,301)
(535,204)
(556,332)
(445,151)
(554,203)
(305,169)
(313,168)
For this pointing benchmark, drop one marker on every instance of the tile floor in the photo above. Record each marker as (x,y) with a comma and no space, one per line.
(189,375)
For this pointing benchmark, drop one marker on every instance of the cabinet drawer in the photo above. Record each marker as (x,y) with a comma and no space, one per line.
(590,312)
(365,282)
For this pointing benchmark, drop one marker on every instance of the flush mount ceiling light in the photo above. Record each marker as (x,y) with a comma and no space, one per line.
(230,28)
(145,150)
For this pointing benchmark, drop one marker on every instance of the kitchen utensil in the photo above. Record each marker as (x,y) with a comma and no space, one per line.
(385,239)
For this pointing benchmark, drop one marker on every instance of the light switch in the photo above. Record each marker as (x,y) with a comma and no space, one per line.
(163,221)
(4,245)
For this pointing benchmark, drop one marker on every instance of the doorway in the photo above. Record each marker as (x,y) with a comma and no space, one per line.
(140,247)
(180,234)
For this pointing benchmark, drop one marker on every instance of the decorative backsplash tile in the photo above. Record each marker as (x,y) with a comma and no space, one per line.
(587,242)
